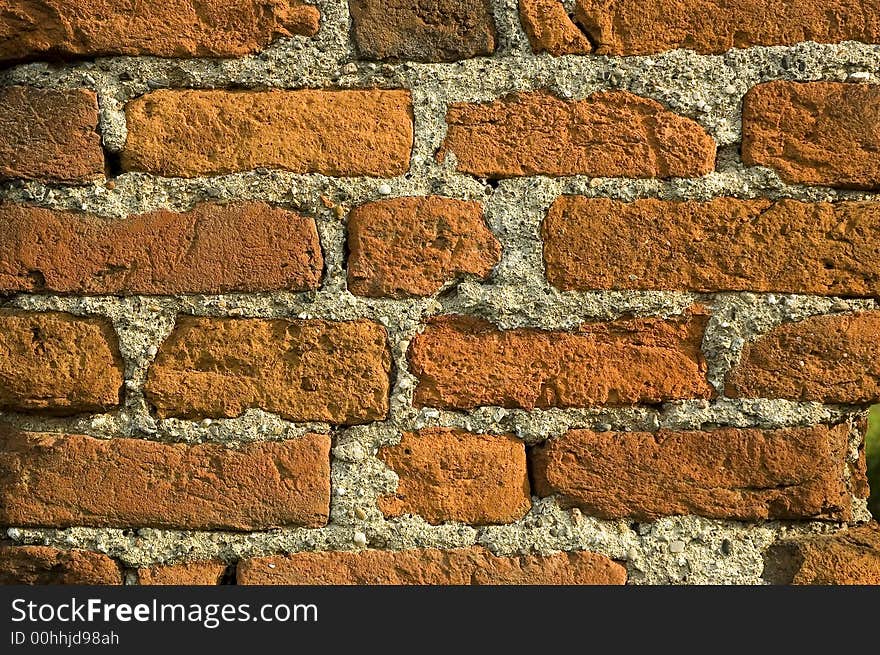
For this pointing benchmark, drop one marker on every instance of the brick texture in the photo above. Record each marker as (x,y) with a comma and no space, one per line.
(59,480)
(242,247)
(41,565)
(643,27)
(451,475)
(829,359)
(463,566)
(610,134)
(723,473)
(179,133)
(31,29)
(58,363)
(49,135)
(551,29)
(189,573)
(413,246)
(308,370)
(428,30)
(462,363)
(850,557)
(724,244)
(814,133)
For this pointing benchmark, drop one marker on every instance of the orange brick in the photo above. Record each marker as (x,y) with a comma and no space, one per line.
(463,363)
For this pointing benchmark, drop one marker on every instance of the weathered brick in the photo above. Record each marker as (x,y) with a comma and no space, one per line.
(58,363)
(609,134)
(309,370)
(188,133)
(829,359)
(551,29)
(41,565)
(726,473)
(61,480)
(243,247)
(49,135)
(463,363)
(32,29)
(725,244)
(849,557)
(642,27)
(814,133)
(413,246)
(461,566)
(451,475)
(188,573)
(428,30)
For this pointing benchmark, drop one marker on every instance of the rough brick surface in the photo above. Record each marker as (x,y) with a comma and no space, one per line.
(31,29)
(462,363)
(640,27)
(814,133)
(451,475)
(551,29)
(40,565)
(428,30)
(829,359)
(724,244)
(49,135)
(610,134)
(462,566)
(850,557)
(189,573)
(724,473)
(308,370)
(58,363)
(242,247)
(413,246)
(183,133)
(59,480)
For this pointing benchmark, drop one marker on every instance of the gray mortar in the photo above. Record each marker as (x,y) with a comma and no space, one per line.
(708,89)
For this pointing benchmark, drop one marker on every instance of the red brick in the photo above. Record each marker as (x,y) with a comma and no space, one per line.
(190,133)
(463,363)
(610,134)
(60,480)
(725,244)
(814,133)
(463,566)
(828,359)
(413,246)
(58,363)
(34,29)
(49,135)
(242,247)
(643,27)
(310,370)
(41,565)
(849,557)
(726,473)
(450,475)
(550,28)
(189,574)
(428,30)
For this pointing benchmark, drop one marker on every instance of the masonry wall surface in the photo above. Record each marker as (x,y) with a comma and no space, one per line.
(348,288)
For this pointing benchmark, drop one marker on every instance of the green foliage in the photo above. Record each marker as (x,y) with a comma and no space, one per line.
(872,454)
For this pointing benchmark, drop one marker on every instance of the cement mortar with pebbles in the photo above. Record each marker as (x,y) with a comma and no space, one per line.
(705,88)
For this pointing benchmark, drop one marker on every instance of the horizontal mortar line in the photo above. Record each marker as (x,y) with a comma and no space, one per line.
(739,183)
(750,414)
(151,539)
(328,64)
(341,305)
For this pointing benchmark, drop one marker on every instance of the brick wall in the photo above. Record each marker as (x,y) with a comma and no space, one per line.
(438,292)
